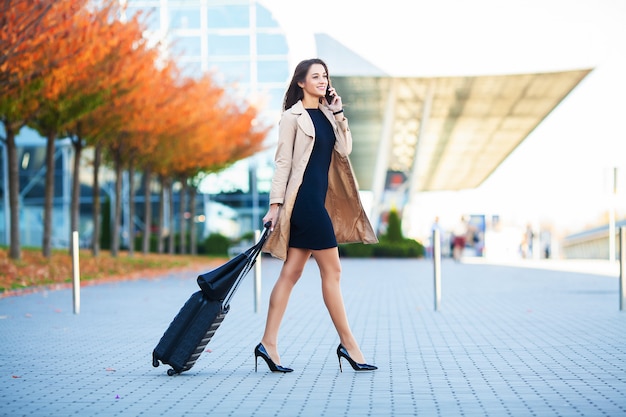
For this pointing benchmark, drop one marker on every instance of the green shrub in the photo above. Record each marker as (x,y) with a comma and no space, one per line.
(407,248)
(415,248)
(356,250)
(187,243)
(247,237)
(394,227)
(153,244)
(391,245)
(216,244)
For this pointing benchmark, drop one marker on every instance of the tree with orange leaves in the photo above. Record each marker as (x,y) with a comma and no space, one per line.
(216,133)
(123,76)
(111,96)
(148,110)
(70,92)
(27,27)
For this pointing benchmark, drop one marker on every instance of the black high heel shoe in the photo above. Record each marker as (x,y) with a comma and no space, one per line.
(343,352)
(259,350)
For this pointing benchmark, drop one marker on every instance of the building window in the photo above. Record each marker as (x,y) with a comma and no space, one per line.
(271,44)
(273,71)
(264,18)
(231,71)
(184,18)
(235,16)
(229,45)
(186,46)
(147,15)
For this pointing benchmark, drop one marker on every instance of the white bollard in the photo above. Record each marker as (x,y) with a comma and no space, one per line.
(622,268)
(257,276)
(75,273)
(437,267)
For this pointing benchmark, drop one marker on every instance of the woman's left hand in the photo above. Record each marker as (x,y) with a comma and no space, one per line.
(335,104)
(272,216)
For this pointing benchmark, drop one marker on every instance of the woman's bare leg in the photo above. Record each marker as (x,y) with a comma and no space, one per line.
(330,271)
(289,276)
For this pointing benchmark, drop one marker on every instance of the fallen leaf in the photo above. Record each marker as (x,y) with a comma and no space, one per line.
(15,376)
(110,370)
(208,350)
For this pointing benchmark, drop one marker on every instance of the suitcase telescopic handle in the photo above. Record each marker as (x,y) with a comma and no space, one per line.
(252,255)
(263,237)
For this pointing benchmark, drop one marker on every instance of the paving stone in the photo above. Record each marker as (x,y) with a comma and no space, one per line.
(507,340)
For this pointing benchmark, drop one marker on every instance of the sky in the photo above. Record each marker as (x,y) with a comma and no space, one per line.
(560,175)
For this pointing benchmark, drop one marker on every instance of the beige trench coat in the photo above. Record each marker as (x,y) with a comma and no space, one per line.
(296,137)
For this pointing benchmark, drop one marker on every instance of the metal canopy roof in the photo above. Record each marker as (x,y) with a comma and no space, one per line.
(444,133)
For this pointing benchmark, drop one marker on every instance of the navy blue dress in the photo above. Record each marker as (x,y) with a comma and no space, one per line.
(311,227)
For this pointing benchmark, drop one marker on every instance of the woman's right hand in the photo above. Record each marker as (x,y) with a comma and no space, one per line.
(272,216)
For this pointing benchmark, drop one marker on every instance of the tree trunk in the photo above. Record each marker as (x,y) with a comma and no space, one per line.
(163,182)
(182,219)
(75,204)
(131,207)
(95,244)
(15,250)
(147,214)
(193,233)
(117,216)
(46,247)
(170,238)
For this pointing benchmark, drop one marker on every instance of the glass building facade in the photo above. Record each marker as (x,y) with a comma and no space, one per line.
(242,46)
(240,43)
(31,155)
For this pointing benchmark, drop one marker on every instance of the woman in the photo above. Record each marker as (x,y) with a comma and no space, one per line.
(313,178)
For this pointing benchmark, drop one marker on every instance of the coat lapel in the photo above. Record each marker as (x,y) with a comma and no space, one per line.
(304,120)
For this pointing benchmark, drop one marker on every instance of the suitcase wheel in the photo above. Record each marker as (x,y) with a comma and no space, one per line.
(171,372)
(155,361)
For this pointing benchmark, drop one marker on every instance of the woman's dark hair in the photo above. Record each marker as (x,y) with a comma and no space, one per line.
(294,91)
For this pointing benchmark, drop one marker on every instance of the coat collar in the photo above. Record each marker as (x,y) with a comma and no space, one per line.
(305,123)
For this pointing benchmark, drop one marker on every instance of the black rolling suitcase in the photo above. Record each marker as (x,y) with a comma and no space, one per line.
(200,317)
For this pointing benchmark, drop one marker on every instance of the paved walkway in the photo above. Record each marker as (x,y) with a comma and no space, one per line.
(507,341)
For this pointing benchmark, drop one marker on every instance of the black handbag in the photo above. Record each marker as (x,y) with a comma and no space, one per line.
(223,281)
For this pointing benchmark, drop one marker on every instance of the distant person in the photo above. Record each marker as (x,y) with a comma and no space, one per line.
(312,169)
(546,239)
(435,225)
(459,238)
(527,242)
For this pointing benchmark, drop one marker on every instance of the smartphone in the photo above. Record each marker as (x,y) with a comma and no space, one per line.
(329,97)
